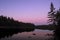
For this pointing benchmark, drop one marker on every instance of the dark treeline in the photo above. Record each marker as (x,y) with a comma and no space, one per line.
(7,21)
(10,23)
(46,27)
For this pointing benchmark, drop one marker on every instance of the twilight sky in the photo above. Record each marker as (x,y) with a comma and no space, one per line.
(33,11)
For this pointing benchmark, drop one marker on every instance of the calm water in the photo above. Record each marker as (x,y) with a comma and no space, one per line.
(37,34)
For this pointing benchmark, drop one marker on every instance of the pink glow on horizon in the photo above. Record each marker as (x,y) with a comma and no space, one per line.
(34,20)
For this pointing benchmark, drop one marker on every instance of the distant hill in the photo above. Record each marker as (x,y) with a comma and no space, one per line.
(46,27)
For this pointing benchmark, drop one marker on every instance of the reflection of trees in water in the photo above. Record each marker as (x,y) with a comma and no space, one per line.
(10,32)
(3,34)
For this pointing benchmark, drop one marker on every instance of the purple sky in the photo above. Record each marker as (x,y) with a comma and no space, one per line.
(34,11)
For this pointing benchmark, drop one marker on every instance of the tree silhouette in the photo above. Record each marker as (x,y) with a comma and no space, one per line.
(7,22)
(51,14)
(58,16)
(54,17)
(57,30)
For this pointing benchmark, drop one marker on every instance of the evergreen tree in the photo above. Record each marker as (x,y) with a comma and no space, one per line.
(54,17)
(57,30)
(51,14)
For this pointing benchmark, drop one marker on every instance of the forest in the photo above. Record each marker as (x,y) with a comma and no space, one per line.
(7,23)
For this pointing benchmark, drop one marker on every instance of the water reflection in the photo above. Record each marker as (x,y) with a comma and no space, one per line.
(33,35)
(9,32)
(3,34)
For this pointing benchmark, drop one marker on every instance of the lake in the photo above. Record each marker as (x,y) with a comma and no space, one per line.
(37,34)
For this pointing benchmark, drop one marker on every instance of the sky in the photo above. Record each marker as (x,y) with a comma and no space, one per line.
(31,11)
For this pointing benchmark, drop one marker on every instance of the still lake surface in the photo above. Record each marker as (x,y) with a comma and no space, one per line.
(37,34)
